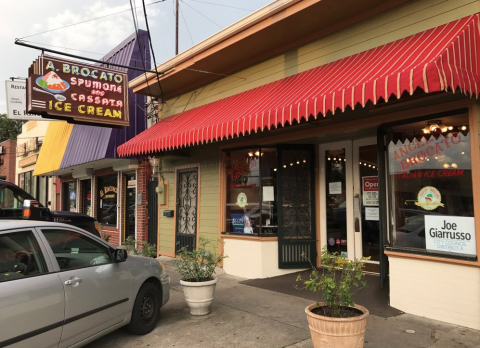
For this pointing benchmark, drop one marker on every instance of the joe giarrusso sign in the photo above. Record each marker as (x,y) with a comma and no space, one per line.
(455,234)
(77,92)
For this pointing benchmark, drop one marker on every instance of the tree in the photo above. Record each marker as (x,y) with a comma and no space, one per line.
(9,129)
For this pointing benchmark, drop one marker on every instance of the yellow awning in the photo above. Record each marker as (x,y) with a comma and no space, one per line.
(53,147)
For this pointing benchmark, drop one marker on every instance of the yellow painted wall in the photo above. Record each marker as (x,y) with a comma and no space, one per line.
(208,212)
(387,27)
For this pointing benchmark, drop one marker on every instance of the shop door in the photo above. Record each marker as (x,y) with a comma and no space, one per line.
(186,209)
(296,211)
(130,205)
(152,212)
(349,219)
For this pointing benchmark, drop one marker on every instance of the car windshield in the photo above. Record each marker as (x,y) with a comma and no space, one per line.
(10,198)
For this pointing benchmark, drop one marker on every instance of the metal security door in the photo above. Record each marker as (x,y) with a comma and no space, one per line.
(152,209)
(186,212)
(296,212)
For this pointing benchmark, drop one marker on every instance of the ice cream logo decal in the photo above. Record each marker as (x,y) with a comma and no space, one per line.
(429,198)
(84,93)
(241,200)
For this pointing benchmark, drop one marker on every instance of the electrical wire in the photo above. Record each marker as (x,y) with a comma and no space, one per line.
(86,21)
(212,3)
(202,15)
(153,52)
(188,30)
(67,48)
(139,48)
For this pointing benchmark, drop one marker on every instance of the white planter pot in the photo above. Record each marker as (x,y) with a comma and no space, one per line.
(199,295)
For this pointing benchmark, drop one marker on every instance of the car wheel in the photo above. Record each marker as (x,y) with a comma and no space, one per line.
(146,310)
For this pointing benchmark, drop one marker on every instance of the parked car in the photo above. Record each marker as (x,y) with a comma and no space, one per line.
(12,199)
(60,286)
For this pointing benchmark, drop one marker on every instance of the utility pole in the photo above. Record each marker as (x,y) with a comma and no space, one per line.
(176,27)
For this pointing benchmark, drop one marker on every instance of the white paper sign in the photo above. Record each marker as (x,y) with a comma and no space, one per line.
(372,214)
(454,234)
(268,194)
(335,188)
(17,103)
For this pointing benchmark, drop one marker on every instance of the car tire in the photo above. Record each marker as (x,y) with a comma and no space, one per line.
(146,310)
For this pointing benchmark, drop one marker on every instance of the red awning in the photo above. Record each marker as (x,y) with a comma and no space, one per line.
(439,59)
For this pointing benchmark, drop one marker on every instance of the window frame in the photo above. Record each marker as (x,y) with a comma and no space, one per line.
(225,174)
(52,256)
(42,258)
(384,128)
(99,211)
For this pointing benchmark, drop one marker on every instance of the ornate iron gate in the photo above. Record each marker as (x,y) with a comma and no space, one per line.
(187,202)
(152,210)
(296,212)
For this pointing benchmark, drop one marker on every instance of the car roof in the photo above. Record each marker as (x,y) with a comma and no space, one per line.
(11,224)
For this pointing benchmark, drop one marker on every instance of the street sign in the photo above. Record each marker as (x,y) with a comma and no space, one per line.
(16,102)
(78,92)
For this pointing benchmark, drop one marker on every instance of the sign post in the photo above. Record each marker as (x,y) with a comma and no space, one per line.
(77,92)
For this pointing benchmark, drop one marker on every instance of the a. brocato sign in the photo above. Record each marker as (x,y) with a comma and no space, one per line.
(77,92)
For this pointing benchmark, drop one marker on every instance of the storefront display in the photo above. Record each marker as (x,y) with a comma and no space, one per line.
(251,191)
(69,202)
(107,200)
(430,174)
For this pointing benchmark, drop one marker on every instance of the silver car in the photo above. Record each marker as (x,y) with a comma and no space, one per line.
(61,286)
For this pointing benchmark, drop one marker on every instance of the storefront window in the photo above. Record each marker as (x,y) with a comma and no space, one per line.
(69,196)
(107,200)
(87,197)
(251,191)
(28,183)
(431,192)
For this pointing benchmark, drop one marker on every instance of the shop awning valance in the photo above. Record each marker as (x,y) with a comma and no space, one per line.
(53,147)
(439,59)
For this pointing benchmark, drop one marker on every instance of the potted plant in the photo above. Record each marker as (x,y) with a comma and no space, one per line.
(141,248)
(197,268)
(336,321)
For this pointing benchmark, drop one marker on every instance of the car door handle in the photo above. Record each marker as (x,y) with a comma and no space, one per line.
(73,281)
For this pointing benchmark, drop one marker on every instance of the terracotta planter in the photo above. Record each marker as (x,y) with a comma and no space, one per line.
(337,332)
(199,295)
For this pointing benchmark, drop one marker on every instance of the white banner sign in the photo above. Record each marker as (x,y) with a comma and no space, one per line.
(16,101)
(454,234)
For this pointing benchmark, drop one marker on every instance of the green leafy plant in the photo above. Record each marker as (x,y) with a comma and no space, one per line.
(198,265)
(141,248)
(337,281)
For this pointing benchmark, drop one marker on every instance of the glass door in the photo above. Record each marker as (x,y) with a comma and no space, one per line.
(366,202)
(349,207)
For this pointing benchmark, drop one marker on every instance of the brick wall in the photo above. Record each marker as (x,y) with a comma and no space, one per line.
(143,175)
(7,168)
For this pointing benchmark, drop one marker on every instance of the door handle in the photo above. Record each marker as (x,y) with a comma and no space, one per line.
(73,281)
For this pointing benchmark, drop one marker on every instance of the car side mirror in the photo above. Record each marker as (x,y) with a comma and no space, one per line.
(120,255)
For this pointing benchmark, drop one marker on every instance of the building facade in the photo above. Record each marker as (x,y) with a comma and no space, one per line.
(352,128)
(8,150)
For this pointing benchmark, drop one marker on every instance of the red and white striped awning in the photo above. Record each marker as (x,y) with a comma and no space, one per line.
(439,59)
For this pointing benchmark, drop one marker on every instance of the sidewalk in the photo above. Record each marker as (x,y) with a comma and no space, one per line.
(244,316)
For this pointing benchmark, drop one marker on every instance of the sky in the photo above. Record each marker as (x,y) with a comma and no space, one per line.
(198,20)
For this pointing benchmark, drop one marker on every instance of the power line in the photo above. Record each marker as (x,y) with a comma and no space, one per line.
(193,44)
(88,20)
(153,52)
(202,15)
(66,48)
(212,3)
(139,48)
